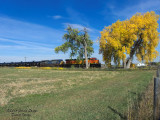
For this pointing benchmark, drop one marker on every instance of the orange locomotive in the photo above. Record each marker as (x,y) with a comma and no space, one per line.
(93,62)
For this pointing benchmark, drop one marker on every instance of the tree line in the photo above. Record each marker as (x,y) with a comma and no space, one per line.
(119,42)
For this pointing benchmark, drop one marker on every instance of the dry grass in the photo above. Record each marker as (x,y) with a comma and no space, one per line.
(71,95)
(22,86)
(142,108)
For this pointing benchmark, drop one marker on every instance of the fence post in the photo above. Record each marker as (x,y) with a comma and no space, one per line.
(155,100)
(156,104)
(158,98)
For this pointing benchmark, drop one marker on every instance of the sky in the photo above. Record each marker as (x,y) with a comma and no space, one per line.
(33,28)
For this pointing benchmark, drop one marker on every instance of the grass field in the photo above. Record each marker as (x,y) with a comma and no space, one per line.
(38,94)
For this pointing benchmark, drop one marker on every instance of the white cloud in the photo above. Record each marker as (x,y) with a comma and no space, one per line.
(78,26)
(81,27)
(29,45)
(143,6)
(19,38)
(19,30)
(57,17)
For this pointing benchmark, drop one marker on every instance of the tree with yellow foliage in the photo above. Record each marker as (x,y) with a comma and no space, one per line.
(137,36)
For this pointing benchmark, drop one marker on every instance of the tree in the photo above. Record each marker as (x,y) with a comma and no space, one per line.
(78,42)
(137,36)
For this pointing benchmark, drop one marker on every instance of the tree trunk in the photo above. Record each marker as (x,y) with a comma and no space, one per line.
(85,48)
(128,63)
(133,50)
(85,52)
(124,64)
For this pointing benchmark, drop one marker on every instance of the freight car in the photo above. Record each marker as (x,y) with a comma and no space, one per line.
(20,64)
(43,63)
(52,63)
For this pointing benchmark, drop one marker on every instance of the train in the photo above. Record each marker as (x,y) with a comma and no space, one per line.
(93,62)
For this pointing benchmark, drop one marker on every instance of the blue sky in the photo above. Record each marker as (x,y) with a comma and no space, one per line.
(33,28)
